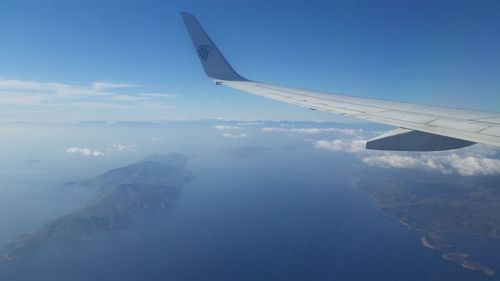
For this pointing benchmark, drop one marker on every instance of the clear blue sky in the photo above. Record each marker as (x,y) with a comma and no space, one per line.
(442,52)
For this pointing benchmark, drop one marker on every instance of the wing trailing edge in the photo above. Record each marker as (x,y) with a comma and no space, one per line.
(410,140)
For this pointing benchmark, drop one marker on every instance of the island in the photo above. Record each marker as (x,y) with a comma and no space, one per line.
(151,184)
(462,260)
(440,208)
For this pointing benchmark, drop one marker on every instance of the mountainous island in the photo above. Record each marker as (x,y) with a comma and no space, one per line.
(441,208)
(147,185)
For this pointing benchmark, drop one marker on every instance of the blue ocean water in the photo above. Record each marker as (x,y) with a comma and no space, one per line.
(275,217)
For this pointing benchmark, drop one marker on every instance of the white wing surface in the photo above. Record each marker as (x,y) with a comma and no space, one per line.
(420,127)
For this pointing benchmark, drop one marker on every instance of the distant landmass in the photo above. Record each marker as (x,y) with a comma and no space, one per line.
(147,185)
(440,208)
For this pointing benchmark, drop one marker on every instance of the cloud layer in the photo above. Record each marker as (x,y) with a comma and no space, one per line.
(477,160)
(54,96)
(472,161)
(446,163)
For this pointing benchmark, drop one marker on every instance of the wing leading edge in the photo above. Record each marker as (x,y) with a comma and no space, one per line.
(422,127)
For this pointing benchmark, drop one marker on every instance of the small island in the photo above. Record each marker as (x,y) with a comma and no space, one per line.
(147,185)
(462,259)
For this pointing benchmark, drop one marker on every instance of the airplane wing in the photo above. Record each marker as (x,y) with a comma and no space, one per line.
(420,127)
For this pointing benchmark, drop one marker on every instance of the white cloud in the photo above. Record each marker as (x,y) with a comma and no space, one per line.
(225,127)
(447,163)
(95,105)
(15,99)
(236,136)
(474,166)
(126,98)
(101,86)
(20,85)
(155,105)
(313,130)
(85,152)
(395,161)
(157,139)
(248,123)
(231,135)
(123,148)
(157,95)
(341,145)
(94,94)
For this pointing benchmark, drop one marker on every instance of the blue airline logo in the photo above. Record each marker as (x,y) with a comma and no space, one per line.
(203,51)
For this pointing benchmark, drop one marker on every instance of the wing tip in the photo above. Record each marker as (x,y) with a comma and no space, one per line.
(214,63)
(186,14)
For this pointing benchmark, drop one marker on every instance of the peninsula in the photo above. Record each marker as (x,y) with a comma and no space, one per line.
(440,208)
(147,185)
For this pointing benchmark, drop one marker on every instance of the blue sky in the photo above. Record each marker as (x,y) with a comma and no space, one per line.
(132,60)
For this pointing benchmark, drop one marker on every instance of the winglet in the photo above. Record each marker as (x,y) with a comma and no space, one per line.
(212,60)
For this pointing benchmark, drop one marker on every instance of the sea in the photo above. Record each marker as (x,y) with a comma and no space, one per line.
(254,210)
